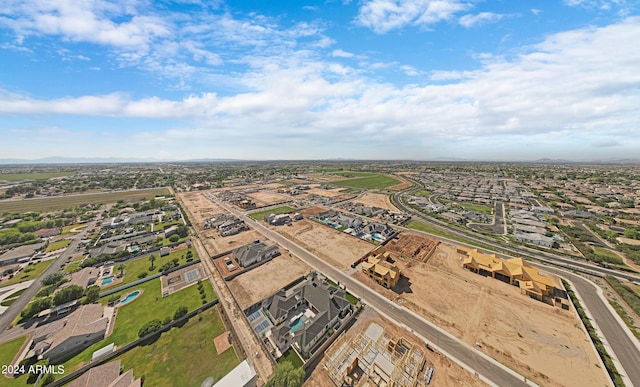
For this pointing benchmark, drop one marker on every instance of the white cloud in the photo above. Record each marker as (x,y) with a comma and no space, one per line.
(469,20)
(341,54)
(582,82)
(410,70)
(385,15)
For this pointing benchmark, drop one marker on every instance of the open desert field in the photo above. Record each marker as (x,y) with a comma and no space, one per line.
(447,373)
(266,198)
(376,200)
(335,247)
(403,185)
(216,244)
(544,343)
(332,193)
(199,208)
(256,284)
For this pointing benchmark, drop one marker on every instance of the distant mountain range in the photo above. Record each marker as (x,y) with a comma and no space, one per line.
(122,160)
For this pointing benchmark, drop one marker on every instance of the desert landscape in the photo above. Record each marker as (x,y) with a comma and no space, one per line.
(376,200)
(544,343)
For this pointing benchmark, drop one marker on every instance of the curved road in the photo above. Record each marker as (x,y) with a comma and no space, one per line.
(14,310)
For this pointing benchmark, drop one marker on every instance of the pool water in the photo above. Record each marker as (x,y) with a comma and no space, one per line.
(130,297)
(298,323)
(377,237)
(107,280)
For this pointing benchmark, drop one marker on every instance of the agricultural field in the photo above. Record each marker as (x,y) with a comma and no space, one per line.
(32,176)
(367,181)
(279,210)
(62,202)
(183,354)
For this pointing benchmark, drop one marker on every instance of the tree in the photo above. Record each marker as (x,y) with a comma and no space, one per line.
(92,294)
(632,233)
(152,259)
(287,376)
(37,306)
(150,327)
(67,294)
(182,231)
(180,312)
(121,268)
(52,278)
(174,238)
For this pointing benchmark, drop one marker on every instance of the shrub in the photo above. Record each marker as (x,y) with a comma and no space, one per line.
(174,238)
(167,320)
(150,327)
(52,278)
(143,275)
(180,312)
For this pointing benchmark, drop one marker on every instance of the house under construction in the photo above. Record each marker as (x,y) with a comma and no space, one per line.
(374,357)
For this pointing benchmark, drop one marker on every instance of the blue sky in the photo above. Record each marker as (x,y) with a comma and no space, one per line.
(369,79)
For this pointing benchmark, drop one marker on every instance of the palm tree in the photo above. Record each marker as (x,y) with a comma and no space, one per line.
(152,259)
(121,268)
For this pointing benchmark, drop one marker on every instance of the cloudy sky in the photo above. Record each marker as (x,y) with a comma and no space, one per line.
(367,79)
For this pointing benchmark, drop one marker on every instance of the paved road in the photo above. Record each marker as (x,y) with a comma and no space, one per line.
(472,358)
(14,310)
(625,348)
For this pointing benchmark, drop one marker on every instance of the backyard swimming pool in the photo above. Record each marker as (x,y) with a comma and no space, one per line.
(106,280)
(130,297)
(298,323)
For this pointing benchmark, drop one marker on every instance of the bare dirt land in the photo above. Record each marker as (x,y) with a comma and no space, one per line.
(544,343)
(307,212)
(216,244)
(199,208)
(266,198)
(412,246)
(333,246)
(447,373)
(332,193)
(376,200)
(254,285)
(405,184)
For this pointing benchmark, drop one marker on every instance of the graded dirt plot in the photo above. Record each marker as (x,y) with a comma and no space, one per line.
(198,207)
(216,244)
(544,343)
(254,285)
(332,193)
(405,184)
(376,200)
(267,198)
(412,246)
(307,212)
(333,246)
(447,373)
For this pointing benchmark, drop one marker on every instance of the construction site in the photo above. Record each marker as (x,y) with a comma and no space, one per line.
(412,246)
(374,357)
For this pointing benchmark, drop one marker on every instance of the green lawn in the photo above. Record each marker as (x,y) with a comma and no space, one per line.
(66,230)
(477,208)
(61,202)
(279,210)
(32,176)
(423,192)
(9,350)
(605,252)
(183,356)
(417,225)
(368,181)
(139,265)
(291,356)
(148,306)
(72,267)
(12,297)
(22,276)
(57,245)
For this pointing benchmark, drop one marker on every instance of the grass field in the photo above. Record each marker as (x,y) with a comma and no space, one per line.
(605,252)
(32,176)
(9,350)
(279,210)
(367,180)
(140,265)
(291,356)
(57,245)
(67,230)
(148,306)
(477,208)
(61,202)
(38,268)
(423,192)
(183,356)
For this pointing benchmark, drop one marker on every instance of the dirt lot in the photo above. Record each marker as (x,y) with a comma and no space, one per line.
(544,343)
(447,373)
(376,200)
(256,284)
(401,186)
(412,246)
(198,207)
(336,247)
(266,198)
